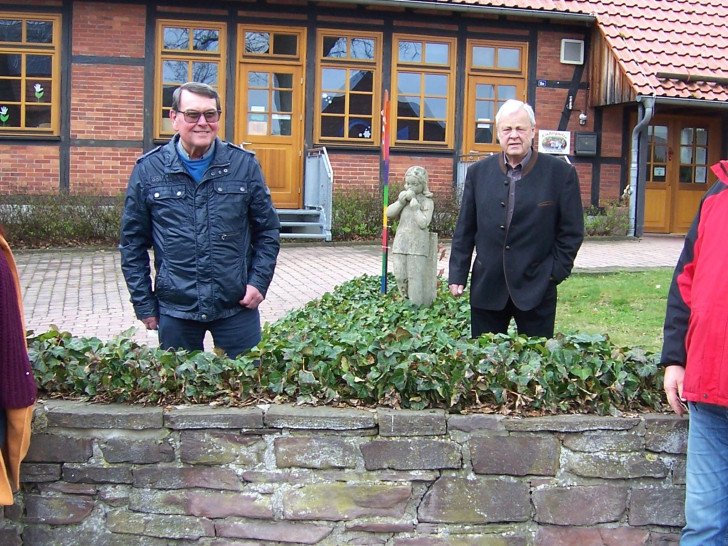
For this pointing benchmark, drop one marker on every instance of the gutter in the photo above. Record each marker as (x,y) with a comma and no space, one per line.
(636,190)
(473,8)
(700,103)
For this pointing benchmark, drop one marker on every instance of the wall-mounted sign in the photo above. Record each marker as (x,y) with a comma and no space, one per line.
(554,142)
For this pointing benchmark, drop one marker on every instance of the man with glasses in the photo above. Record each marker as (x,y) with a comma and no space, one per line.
(202,205)
(521,211)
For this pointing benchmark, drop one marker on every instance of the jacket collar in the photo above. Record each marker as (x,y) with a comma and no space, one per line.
(525,169)
(174,163)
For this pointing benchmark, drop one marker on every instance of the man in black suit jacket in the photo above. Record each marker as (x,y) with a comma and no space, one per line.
(521,211)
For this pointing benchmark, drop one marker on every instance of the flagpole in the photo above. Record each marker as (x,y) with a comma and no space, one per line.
(385,186)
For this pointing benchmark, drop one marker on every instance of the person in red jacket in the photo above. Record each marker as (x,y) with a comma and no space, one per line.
(695,356)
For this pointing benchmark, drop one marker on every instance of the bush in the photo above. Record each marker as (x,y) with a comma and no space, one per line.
(60,220)
(357,215)
(359,348)
(612,219)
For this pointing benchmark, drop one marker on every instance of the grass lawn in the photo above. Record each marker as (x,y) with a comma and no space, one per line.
(627,306)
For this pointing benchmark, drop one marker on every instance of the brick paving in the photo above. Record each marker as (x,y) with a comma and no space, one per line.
(83,291)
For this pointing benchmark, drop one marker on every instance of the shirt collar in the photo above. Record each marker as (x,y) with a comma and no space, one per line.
(183,153)
(523,162)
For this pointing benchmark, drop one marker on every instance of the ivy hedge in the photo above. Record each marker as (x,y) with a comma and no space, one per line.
(357,347)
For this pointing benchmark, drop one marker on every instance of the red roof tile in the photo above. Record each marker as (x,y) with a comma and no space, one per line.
(684,37)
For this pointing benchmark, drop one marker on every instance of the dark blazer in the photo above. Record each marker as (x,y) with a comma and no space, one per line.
(540,244)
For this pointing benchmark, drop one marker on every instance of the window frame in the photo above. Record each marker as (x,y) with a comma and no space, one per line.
(349,64)
(161,111)
(423,68)
(25,48)
(496,76)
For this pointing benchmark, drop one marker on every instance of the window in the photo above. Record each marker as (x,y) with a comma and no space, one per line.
(187,52)
(29,74)
(694,155)
(496,73)
(424,90)
(348,87)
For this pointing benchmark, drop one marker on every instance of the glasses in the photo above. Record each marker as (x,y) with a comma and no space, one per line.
(193,116)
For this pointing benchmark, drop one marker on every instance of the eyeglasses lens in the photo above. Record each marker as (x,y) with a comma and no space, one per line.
(193,116)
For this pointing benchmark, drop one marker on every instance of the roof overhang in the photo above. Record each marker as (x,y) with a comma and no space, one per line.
(686,103)
(439,5)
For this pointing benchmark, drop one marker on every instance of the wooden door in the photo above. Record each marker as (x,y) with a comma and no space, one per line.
(270,108)
(680,152)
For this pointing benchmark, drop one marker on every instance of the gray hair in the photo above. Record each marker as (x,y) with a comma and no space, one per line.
(511,106)
(196,88)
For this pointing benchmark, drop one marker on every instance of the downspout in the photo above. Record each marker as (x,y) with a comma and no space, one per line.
(637,189)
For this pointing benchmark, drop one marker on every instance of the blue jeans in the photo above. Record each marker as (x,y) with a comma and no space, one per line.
(234,335)
(706,497)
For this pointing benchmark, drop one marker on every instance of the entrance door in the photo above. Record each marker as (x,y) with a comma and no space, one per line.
(680,152)
(270,108)
(485,95)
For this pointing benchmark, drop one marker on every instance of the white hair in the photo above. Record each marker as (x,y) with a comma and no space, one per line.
(511,106)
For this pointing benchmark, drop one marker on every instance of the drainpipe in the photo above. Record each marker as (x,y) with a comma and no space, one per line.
(637,189)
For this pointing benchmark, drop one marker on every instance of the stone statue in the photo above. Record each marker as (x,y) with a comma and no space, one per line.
(414,251)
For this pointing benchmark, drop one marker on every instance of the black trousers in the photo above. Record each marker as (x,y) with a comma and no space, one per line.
(536,322)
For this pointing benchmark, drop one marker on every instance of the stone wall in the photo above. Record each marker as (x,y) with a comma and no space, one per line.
(118,475)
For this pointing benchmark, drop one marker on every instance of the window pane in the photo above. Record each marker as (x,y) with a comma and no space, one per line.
(362,48)
(174,71)
(436,84)
(40,91)
(686,136)
(686,154)
(659,133)
(360,105)
(659,154)
(434,131)
(258,100)
(686,174)
(333,103)
(333,79)
(509,58)
(38,116)
(484,91)
(205,40)
(408,107)
(176,38)
(39,32)
(332,126)
(10,65)
(361,81)
(483,133)
(38,65)
(205,73)
(701,175)
(281,125)
(360,128)
(10,115)
(506,92)
(282,101)
(435,108)
(437,53)
(11,30)
(257,124)
(484,110)
(257,42)
(410,52)
(702,136)
(408,83)
(167,91)
(334,47)
(484,57)
(10,90)
(258,79)
(283,80)
(701,156)
(285,44)
(408,129)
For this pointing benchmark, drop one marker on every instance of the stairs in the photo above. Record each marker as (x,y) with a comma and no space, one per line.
(303,224)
